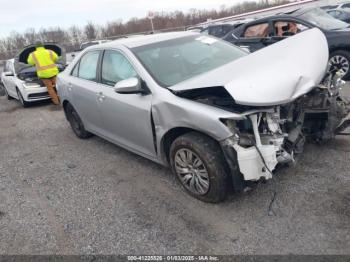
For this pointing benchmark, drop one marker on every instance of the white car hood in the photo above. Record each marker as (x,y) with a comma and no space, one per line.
(274,75)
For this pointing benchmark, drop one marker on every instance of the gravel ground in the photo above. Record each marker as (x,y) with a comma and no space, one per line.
(63,195)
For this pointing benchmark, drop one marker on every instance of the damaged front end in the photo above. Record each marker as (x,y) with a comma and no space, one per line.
(285,98)
(276,135)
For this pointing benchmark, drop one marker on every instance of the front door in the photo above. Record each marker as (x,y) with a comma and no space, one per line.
(126,117)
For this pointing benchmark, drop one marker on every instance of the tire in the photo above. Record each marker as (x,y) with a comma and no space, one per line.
(20,98)
(341,60)
(7,94)
(2,89)
(76,123)
(211,160)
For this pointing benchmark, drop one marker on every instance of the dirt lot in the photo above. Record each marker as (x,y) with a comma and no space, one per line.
(62,195)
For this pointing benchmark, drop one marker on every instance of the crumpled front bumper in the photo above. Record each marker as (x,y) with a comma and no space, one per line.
(255,162)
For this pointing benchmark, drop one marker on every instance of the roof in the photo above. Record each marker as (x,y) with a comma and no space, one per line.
(146,39)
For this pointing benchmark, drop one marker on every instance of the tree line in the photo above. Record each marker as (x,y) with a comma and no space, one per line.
(72,37)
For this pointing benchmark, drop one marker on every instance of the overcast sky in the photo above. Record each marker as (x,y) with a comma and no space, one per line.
(17,15)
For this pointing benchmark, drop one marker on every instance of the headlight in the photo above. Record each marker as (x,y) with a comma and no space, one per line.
(241,130)
(231,124)
(30,85)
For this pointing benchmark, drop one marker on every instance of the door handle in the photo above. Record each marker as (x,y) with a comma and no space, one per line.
(100,96)
(70,87)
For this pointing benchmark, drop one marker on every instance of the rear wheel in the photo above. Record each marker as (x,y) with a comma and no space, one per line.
(198,163)
(340,60)
(20,98)
(76,123)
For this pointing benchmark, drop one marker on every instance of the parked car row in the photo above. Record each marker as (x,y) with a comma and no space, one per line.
(259,33)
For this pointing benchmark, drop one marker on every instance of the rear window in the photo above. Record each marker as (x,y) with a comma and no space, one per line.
(87,66)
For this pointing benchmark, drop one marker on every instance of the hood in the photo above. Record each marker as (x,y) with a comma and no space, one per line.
(21,65)
(274,75)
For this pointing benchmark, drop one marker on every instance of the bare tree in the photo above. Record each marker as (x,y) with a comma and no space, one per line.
(90,31)
(74,36)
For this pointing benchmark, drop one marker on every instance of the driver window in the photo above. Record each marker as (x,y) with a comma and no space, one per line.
(115,67)
(258,31)
(288,28)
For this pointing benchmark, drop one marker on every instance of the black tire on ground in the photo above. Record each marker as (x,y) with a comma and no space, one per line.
(20,98)
(7,94)
(209,152)
(341,57)
(2,89)
(75,122)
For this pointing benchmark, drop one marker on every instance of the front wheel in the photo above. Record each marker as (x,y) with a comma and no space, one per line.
(21,100)
(198,163)
(340,60)
(76,123)
(7,94)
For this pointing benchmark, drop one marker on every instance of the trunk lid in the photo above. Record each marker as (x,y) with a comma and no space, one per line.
(274,75)
(26,71)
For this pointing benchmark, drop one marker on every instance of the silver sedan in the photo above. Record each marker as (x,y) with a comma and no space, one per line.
(218,116)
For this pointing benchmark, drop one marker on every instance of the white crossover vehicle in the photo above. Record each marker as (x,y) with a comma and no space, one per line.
(20,79)
(24,91)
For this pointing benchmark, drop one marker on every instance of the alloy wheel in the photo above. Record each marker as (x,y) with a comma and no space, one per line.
(191,171)
(341,63)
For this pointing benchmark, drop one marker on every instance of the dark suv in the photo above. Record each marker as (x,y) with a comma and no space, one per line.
(266,31)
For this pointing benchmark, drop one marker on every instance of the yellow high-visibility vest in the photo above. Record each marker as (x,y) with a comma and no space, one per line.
(44,61)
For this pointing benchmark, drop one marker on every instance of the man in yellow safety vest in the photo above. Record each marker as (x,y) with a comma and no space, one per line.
(46,69)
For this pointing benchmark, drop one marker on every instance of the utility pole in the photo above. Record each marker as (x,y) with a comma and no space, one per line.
(150,16)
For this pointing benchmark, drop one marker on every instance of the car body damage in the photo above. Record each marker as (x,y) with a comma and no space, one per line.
(274,107)
(274,75)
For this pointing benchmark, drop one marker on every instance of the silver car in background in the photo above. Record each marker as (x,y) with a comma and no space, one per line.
(220,117)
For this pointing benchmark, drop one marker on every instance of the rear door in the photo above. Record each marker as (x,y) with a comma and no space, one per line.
(84,90)
(255,36)
(126,117)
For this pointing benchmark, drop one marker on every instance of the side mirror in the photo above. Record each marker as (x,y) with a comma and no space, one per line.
(9,73)
(129,86)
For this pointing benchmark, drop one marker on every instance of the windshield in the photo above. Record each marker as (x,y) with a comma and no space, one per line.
(173,61)
(323,20)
